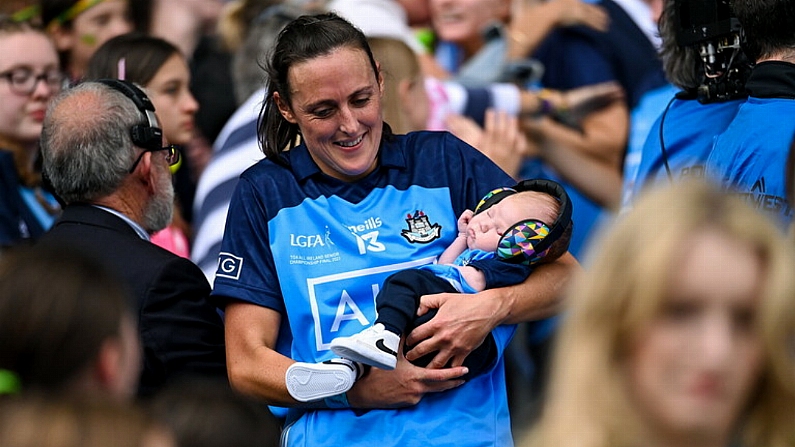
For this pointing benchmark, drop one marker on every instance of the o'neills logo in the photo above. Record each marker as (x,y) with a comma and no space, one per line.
(369,224)
(367,234)
(420,230)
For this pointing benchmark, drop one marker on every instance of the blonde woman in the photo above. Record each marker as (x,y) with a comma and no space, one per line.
(44,421)
(680,333)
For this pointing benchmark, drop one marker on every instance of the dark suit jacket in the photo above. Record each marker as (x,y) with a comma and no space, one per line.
(182,333)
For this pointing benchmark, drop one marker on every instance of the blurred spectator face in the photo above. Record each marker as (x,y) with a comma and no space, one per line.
(415,103)
(174,104)
(25,55)
(463,21)
(92,28)
(159,437)
(693,368)
(208,10)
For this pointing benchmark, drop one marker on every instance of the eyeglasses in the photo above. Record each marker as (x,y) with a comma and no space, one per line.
(172,157)
(24,82)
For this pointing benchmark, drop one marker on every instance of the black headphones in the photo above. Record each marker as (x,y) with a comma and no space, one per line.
(527,241)
(149,135)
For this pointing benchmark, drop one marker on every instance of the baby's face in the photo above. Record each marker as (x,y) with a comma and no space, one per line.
(486,228)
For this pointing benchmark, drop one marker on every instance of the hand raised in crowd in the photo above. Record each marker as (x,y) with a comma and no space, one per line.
(570,107)
(500,139)
(465,128)
(578,12)
(583,146)
(580,102)
(531,21)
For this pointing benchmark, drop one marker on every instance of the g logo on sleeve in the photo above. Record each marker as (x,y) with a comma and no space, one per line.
(229,266)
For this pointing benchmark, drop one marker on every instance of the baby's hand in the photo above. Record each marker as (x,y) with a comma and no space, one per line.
(463,222)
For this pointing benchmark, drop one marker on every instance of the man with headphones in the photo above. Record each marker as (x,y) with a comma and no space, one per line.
(104,156)
(511,231)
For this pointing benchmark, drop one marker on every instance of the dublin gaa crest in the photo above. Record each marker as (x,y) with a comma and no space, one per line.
(420,228)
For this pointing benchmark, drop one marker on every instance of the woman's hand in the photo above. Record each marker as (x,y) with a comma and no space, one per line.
(405,386)
(460,325)
(578,12)
(531,21)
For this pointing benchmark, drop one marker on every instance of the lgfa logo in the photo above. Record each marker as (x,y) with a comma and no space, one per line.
(311,240)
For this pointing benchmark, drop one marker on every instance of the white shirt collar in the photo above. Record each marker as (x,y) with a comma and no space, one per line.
(138,229)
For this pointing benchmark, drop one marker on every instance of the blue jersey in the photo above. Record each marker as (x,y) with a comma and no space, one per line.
(317,250)
(22,217)
(641,120)
(750,157)
(689,131)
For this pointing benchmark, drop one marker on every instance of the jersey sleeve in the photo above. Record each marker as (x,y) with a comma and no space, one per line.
(500,273)
(246,269)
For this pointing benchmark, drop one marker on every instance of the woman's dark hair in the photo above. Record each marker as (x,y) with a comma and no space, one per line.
(143,56)
(57,307)
(767,25)
(682,64)
(52,12)
(304,38)
(141,14)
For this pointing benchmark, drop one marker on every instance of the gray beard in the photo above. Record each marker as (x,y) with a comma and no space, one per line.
(160,209)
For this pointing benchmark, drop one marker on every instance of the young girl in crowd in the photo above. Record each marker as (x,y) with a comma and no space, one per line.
(79,27)
(29,78)
(158,66)
(681,334)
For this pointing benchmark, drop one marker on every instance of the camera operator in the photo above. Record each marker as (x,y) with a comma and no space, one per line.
(750,155)
(702,56)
